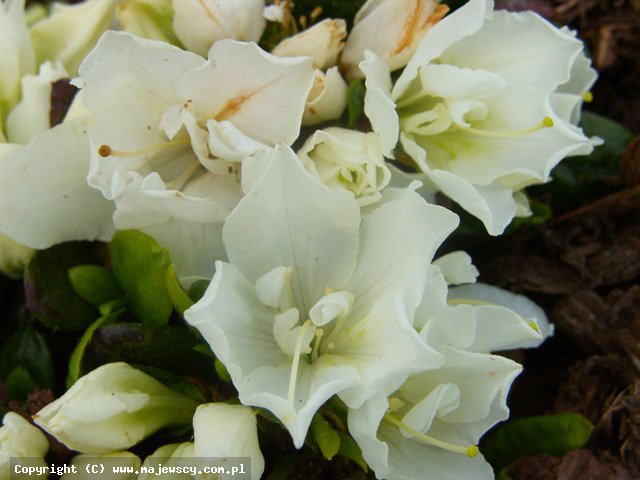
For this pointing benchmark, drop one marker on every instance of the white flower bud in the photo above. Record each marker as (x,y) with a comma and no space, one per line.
(323,42)
(327,98)
(113,408)
(200,23)
(392,29)
(18,438)
(347,160)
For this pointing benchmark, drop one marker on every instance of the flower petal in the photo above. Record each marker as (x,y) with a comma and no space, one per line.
(273,223)
(44,196)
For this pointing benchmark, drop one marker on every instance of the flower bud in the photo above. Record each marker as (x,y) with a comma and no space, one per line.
(323,42)
(200,23)
(113,408)
(347,160)
(392,29)
(327,98)
(120,460)
(18,438)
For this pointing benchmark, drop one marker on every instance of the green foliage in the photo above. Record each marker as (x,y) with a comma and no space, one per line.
(181,301)
(94,284)
(197,289)
(552,434)
(25,363)
(75,361)
(326,437)
(49,293)
(350,450)
(222,371)
(164,347)
(140,266)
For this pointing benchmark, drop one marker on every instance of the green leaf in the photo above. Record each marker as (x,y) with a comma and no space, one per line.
(616,137)
(555,435)
(140,266)
(94,284)
(350,450)
(197,289)
(540,213)
(222,371)
(325,436)
(165,347)
(75,361)
(26,362)
(355,101)
(179,297)
(48,291)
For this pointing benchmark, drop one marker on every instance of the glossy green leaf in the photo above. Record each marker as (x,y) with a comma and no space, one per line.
(165,347)
(325,436)
(552,434)
(48,291)
(25,363)
(75,361)
(350,450)
(355,101)
(140,266)
(94,284)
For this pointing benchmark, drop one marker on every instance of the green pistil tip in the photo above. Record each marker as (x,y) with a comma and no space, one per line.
(547,121)
(534,326)
(472,451)
(587,97)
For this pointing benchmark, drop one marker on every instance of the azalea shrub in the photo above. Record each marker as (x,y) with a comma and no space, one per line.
(233,221)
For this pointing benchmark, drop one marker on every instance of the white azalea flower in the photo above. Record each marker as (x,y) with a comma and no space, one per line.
(112,408)
(481,108)
(200,23)
(392,29)
(317,301)
(171,166)
(21,441)
(347,160)
(433,422)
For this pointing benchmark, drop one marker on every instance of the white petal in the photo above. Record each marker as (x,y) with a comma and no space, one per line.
(521,47)
(200,23)
(273,223)
(378,106)
(322,42)
(230,144)
(493,205)
(457,268)
(31,115)
(44,196)
(399,237)
(272,287)
(465,21)
(236,324)
(261,94)
(227,431)
(330,307)
(328,98)
(518,303)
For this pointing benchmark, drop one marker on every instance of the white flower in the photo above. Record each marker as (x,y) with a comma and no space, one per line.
(221,432)
(323,42)
(433,422)
(200,23)
(483,107)
(171,128)
(121,460)
(392,29)
(347,160)
(317,301)
(327,98)
(71,31)
(112,408)
(20,440)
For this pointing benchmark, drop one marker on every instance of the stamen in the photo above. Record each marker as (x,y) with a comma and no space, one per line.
(470,451)
(107,151)
(545,123)
(534,326)
(296,362)
(587,97)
